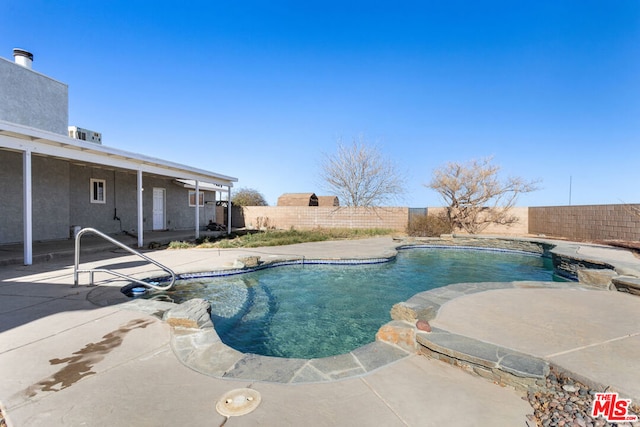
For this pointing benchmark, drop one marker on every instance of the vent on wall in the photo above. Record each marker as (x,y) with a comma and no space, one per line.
(85,134)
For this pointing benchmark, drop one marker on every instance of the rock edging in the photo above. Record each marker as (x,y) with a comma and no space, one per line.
(498,364)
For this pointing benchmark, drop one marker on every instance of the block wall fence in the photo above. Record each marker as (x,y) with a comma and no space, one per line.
(520,228)
(588,222)
(308,217)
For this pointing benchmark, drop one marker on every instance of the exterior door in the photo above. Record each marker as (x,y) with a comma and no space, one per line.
(158,209)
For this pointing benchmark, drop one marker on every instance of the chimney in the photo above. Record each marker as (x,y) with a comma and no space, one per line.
(23,57)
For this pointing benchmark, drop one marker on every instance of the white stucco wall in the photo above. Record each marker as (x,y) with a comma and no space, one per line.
(32,99)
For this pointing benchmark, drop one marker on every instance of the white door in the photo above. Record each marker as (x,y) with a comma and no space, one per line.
(158,209)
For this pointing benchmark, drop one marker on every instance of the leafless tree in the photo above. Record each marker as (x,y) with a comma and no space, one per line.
(248,197)
(633,210)
(475,196)
(360,176)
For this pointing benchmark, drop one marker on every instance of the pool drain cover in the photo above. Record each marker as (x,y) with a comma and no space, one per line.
(236,402)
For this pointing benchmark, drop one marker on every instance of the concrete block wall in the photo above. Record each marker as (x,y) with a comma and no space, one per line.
(122,199)
(588,222)
(50,195)
(81,211)
(308,217)
(520,228)
(11,200)
(61,199)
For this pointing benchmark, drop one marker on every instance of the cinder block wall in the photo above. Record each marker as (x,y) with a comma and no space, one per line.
(307,217)
(588,222)
(520,228)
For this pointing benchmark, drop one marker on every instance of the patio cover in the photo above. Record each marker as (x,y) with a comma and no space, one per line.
(31,141)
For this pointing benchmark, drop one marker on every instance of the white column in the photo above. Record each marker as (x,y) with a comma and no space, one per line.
(215,206)
(197,209)
(140,212)
(229,210)
(27,208)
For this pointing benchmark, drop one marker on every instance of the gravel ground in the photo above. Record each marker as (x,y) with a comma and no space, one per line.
(564,402)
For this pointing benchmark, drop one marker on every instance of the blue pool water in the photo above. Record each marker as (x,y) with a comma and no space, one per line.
(310,311)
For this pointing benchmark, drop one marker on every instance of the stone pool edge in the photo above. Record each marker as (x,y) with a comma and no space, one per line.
(196,344)
(500,364)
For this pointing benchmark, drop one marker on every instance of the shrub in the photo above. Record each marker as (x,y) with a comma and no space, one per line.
(271,237)
(429,226)
(180,245)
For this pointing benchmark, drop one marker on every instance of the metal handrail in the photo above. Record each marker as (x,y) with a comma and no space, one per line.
(76,270)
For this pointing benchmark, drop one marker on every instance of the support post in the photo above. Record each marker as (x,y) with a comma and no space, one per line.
(197,209)
(140,211)
(229,210)
(27,208)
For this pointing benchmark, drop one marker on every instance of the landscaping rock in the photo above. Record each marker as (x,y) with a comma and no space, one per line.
(423,325)
(194,314)
(600,278)
(399,333)
(247,262)
(412,311)
(562,401)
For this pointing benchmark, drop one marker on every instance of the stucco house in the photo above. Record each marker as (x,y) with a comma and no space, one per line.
(54,178)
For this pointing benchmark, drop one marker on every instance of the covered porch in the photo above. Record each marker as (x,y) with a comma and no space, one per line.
(55,181)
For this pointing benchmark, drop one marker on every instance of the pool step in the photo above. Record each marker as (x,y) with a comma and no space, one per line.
(499,364)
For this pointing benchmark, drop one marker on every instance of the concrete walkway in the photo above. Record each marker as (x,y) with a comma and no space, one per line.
(83,356)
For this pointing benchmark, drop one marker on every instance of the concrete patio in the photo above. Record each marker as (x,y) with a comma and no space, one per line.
(86,356)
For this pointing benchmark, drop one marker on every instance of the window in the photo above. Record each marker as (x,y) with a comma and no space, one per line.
(192,198)
(98,190)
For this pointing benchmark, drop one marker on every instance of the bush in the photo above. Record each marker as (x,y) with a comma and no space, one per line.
(180,245)
(292,236)
(429,226)
(271,237)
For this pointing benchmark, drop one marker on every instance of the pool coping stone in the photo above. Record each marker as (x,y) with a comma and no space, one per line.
(502,364)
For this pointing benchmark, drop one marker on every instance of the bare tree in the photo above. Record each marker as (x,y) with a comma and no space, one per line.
(360,176)
(248,197)
(475,196)
(633,210)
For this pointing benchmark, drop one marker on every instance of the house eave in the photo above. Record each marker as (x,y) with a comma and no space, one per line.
(23,138)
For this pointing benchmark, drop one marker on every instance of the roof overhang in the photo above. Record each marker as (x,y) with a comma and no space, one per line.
(202,186)
(23,138)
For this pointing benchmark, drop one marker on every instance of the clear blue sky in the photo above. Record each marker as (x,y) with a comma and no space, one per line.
(259,90)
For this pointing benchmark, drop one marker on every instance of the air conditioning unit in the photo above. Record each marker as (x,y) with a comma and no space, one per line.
(85,134)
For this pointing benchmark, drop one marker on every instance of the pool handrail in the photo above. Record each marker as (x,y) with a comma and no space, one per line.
(91,271)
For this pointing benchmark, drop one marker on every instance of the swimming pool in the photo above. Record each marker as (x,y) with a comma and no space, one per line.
(311,311)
